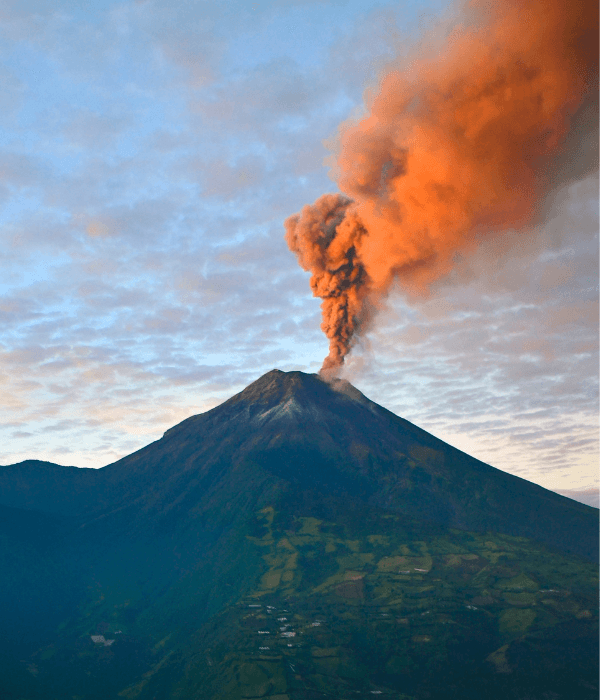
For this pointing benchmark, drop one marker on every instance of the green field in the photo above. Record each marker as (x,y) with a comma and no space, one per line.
(378,606)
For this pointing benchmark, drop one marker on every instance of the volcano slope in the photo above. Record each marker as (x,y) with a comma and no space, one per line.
(298,541)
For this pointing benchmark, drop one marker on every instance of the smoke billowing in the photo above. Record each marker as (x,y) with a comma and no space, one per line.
(467,143)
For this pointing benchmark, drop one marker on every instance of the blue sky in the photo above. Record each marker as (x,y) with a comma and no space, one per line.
(151,152)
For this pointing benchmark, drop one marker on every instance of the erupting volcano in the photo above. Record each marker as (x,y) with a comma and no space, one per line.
(298,541)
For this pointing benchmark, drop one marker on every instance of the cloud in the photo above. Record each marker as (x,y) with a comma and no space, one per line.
(88,128)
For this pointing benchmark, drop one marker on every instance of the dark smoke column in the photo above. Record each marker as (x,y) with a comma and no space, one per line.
(465,146)
(325,237)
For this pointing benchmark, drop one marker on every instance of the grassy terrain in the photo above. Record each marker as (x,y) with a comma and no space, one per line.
(336,600)
(375,605)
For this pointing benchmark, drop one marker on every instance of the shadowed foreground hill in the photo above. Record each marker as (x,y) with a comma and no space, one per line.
(296,542)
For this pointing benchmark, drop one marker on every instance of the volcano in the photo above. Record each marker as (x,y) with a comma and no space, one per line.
(297,541)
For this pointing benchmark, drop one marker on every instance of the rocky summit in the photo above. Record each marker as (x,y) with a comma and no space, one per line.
(298,541)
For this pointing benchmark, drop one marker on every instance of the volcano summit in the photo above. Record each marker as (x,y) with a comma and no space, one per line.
(298,541)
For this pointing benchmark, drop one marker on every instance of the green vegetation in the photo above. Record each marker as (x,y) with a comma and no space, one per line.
(338,600)
(378,607)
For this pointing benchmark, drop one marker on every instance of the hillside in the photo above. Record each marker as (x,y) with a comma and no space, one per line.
(431,574)
(296,428)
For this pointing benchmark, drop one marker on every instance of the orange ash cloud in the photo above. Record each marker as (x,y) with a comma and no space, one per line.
(458,147)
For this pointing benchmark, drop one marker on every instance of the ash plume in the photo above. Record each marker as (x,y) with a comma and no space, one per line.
(466,144)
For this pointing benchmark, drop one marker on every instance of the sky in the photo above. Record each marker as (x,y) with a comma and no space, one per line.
(151,152)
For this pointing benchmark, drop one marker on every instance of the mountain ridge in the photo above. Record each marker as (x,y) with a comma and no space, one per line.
(298,428)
